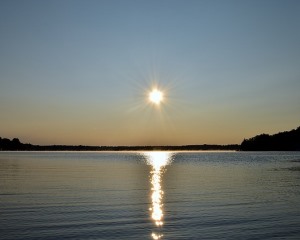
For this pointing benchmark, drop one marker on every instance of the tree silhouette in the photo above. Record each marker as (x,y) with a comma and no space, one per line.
(283,141)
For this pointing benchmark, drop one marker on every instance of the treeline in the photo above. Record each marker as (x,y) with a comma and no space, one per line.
(283,141)
(16,145)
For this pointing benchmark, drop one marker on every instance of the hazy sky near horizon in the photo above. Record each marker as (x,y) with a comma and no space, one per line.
(78,72)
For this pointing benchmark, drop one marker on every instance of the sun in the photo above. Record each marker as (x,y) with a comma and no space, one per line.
(156,96)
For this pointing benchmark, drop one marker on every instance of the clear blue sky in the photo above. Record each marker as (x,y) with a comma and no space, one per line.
(78,72)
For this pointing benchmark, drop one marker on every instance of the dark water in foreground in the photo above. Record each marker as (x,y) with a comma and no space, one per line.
(158,195)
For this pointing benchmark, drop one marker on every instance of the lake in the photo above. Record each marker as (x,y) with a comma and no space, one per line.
(149,195)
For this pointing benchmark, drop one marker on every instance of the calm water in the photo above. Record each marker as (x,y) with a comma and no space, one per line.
(154,195)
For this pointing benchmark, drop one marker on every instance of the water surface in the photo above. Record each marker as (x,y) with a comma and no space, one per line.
(149,195)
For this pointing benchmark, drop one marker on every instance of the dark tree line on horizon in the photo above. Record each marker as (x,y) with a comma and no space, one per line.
(283,141)
(16,145)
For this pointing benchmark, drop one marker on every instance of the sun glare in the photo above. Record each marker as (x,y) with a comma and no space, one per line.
(156,96)
(157,160)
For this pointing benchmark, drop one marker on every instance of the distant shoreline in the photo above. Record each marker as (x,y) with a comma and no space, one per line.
(204,147)
(282,141)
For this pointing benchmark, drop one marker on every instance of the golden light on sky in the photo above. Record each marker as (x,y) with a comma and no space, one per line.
(127,84)
(156,96)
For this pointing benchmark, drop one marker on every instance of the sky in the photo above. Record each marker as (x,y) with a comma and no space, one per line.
(80,72)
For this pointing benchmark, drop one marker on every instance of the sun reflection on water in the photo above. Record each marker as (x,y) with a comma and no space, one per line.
(156,236)
(157,160)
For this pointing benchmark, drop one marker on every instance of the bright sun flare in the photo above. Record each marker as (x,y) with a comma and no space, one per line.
(156,96)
